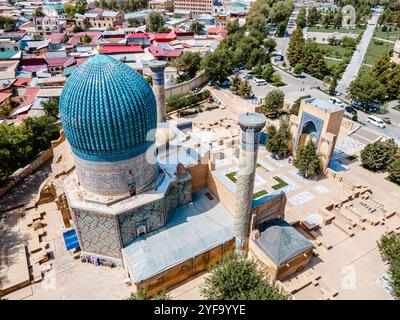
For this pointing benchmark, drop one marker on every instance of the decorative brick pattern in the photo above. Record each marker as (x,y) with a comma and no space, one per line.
(98,233)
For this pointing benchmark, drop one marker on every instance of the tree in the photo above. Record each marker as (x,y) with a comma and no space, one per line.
(37,37)
(70,10)
(77,29)
(5,110)
(318,67)
(188,64)
(217,65)
(50,107)
(278,140)
(296,105)
(298,69)
(389,248)
(301,18)
(236,278)
(44,129)
(155,22)
(86,39)
(80,6)
(141,294)
(270,44)
(375,156)
(38,12)
(367,89)
(307,160)
(268,72)
(235,83)
(245,89)
(273,104)
(197,27)
(296,47)
(134,22)
(233,27)
(313,16)
(333,84)
(394,171)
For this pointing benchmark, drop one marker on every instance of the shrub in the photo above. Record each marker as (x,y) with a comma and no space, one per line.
(394,171)
(179,101)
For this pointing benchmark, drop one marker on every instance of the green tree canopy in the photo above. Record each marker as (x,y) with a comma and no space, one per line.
(188,64)
(197,27)
(236,278)
(376,156)
(307,160)
(273,104)
(278,140)
(134,22)
(296,47)
(389,248)
(268,72)
(155,22)
(217,65)
(367,89)
(50,107)
(394,171)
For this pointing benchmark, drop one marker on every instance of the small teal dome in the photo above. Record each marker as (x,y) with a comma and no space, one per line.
(106,110)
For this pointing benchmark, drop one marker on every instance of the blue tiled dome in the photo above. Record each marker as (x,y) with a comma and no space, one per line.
(106,110)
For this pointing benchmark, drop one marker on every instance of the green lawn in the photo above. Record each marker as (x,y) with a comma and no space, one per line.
(280,184)
(231,176)
(260,166)
(330,62)
(331,29)
(334,51)
(259,194)
(364,70)
(392,35)
(374,50)
(397,108)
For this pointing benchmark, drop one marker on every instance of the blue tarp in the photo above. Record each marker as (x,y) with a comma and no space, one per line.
(71,239)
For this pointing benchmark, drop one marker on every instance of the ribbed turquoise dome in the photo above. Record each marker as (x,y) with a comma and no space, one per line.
(106,110)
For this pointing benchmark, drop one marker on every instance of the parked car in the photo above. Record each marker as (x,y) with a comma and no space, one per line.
(236,70)
(247,76)
(225,84)
(196,90)
(376,122)
(351,110)
(259,82)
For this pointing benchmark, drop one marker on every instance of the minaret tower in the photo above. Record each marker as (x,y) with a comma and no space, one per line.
(251,125)
(157,68)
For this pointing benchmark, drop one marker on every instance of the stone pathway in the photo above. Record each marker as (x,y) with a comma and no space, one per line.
(301,198)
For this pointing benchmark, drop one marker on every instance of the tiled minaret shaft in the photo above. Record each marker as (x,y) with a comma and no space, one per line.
(251,125)
(157,68)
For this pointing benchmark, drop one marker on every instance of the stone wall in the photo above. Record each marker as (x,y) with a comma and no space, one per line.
(199,173)
(22,173)
(270,209)
(185,87)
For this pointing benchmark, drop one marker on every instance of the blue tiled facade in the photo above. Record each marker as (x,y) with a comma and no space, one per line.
(106,109)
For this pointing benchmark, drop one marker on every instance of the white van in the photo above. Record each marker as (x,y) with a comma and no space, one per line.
(259,82)
(376,121)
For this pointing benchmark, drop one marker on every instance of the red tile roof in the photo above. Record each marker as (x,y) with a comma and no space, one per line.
(158,52)
(218,30)
(22,82)
(62,62)
(138,35)
(120,49)
(165,37)
(4,96)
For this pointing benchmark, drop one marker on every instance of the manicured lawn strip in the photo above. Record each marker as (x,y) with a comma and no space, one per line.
(331,30)
(280,184)
(334,51)
(364,70)
(231,176)
(330,62)
(374,50)
(260,166)
(352,157)
(259,194)
(388,35)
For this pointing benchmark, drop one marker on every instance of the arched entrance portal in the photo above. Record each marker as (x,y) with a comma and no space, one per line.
(309,133)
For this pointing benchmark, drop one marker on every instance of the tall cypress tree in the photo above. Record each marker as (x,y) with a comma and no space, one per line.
(296,47)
